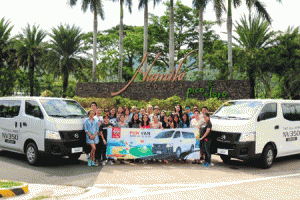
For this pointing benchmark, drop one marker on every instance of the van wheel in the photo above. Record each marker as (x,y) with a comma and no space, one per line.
(226,159)
(74,156)
(267,157)
(178,152)
(192,148)
(32,154)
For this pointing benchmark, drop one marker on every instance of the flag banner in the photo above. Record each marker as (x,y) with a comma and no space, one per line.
(132,143)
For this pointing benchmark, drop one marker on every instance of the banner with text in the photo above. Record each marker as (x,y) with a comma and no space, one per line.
(131,143)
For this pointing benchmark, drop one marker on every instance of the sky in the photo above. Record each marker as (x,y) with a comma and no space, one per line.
(51,13)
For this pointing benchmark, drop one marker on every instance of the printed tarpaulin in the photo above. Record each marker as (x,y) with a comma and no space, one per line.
(131,143)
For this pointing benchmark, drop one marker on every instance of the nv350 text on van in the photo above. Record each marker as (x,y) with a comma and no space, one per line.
(39,126)
(263,129)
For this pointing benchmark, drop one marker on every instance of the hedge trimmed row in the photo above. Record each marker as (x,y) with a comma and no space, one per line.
(164,104)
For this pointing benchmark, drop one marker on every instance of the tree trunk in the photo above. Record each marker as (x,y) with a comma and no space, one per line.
(65,81)
(229,33)
(31,74)
(94,45)
(201,43)
(252,83)
(171,42)
(145,36)
(120,43)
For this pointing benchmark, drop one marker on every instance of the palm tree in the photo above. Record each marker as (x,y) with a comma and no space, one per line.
(254,34)
(7,69)
(144,4)
(121,34)
(30,50)
(96,7)
(171,39)
(260,7)
(66,52)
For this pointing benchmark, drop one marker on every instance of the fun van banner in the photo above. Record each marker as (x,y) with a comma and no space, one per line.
(131,143)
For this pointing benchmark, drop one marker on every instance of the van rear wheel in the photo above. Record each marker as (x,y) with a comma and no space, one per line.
(178,152)
(267,157)
(32,154)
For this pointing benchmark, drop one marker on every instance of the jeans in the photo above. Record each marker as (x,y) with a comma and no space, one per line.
(206,152)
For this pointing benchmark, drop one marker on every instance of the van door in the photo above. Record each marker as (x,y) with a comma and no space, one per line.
(290,135)
(267,127)
(9,124)
(33,124)
(177,142)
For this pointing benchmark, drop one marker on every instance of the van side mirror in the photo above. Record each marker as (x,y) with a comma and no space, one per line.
(37,113)
(260,117)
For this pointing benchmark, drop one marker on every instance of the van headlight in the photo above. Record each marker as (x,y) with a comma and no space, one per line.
(247,137)
(53,135)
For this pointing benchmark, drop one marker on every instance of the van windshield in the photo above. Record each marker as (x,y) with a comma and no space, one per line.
(237,109)
(63,108)
(166,134)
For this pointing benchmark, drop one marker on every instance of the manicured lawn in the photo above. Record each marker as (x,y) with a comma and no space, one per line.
(7,184)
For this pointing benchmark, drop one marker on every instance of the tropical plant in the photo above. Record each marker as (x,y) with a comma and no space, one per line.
(259,6)
(30,50)
(254,33)
(128,3)
(66,52)
(144,4)
(96,7)
(7,68)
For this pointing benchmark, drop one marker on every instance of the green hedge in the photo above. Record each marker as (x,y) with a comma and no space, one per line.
(164,104)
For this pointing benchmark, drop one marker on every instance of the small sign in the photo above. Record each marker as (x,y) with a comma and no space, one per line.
(291,139)
(223,151)
(77,150)
(116,132)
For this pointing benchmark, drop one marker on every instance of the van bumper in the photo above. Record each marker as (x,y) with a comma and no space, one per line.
(239,150)
(61,147)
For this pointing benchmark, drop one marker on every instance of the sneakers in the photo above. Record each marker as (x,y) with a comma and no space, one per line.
(103,163)
(87,156)
(93,163)
(110,162)
(206,164)
(89,162)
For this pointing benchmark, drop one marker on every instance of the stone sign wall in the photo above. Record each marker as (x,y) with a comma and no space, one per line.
(234,89)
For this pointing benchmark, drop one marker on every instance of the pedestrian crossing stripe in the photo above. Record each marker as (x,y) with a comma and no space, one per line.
(11,192)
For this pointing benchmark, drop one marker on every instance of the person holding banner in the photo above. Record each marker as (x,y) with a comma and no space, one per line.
(91,127)
(135,121)
(155,124)
(145,123)
(101,147)
(185,122)
(165,122)
(196,123)
(176,120)
(205,139)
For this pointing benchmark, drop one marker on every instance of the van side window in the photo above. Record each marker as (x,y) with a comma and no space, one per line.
(9,108)
(185,135)
(177,134)
(291,111)
(31,107)
(269,111)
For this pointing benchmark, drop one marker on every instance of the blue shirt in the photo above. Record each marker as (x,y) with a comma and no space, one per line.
(92,128)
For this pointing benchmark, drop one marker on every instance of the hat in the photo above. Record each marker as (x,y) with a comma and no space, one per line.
(187,107)
(156,107)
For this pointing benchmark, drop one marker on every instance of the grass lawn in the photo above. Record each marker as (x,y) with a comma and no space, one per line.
(7,184)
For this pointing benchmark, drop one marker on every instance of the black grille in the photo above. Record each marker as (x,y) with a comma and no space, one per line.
(226,137)
(72,135)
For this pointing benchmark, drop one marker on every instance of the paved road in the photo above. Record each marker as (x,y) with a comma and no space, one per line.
(237,180)
(62,171)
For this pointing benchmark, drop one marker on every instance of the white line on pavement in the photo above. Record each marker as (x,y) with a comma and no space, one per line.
(186,187)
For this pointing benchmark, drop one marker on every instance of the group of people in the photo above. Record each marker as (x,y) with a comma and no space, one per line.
(97,124)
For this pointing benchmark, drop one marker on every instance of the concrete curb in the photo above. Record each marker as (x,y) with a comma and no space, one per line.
(14,191)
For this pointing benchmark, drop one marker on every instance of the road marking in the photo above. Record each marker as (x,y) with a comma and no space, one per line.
(187,187)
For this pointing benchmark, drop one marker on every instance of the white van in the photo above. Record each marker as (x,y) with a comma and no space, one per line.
(174,141)
(39,126)
(264,129)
